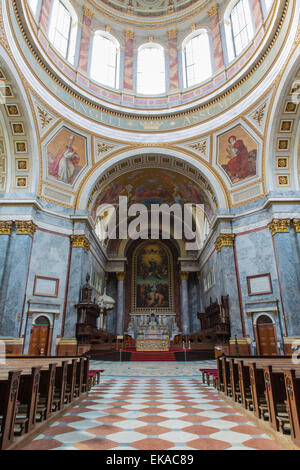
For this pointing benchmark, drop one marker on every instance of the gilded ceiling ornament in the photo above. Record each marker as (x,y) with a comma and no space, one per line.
(103,147)
(45,117)
(224,239)
(200,147)
(259,114)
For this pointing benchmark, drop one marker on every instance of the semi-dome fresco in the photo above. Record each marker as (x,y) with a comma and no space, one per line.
(149,226)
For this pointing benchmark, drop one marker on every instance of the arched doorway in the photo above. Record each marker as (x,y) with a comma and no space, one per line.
(266,339)
(40,336)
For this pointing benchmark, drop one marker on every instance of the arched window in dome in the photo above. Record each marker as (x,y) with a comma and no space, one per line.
(196,59)
(151,69)
(105,62)
(238,27)
(33,4)
(63,29)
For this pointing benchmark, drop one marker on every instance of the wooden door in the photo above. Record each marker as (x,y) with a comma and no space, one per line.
(39,339)
(266,337)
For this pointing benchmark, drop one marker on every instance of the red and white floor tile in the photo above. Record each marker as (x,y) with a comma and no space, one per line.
(152,413)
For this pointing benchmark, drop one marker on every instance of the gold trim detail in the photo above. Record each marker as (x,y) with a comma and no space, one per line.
(121,276)
(172,33)
(129,34)
(279,226)
(296,223)
(81,241)
(5,227)
(25,227)
(213,10)
(240,341)
(224,239)
(184,275)
(88,12)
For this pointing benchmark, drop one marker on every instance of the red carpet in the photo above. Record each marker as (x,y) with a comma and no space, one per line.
(152,356)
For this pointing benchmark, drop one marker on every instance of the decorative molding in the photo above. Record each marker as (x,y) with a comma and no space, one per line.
(25,227)
(200,147)
(81,241)
(296,223)
(103,147)
(279,226)
(5,227)
(224,239)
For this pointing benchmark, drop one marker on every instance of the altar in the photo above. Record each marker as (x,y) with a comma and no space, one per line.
(152,335)
(152,345)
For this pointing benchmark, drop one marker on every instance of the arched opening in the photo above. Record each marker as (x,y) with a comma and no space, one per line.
(238,27)
(63,29)
(105,59)
(40,337)
(151,69)
(266,338)
(197,66)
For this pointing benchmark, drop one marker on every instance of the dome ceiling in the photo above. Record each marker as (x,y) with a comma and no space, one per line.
(148,7)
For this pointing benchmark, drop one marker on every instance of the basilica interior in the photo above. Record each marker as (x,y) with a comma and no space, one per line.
(137,105)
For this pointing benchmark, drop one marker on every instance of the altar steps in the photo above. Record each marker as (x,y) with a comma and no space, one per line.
(141,356)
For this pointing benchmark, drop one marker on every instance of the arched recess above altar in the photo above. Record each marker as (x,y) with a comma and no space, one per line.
(152,301)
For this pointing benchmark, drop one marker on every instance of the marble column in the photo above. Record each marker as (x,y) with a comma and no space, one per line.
(85,40)
(285,252)
(120,304)
(78,269)
(173,59)
(228,263)
(213,14)
(185,319)
(14,279)
(257,13)
(45,15)
(128,60)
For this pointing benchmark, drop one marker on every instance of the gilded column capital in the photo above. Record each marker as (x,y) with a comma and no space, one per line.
(213,10)
(296,223)
(121,276)
(5,227)
(184,275)
(88,12)
(279,226)
(224,239)
(172,33)
(129,34)
(81,241)
(25,227)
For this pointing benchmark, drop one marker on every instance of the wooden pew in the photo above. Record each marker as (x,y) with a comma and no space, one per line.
(226,376)
(28,396)
(46,389)
(257,385)
(275,395)
(234,380)
(9,388)
(292,386)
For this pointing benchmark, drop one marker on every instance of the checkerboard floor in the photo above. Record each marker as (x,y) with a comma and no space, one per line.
(152,413)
